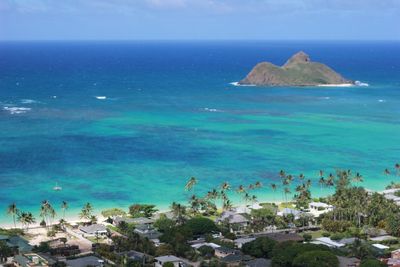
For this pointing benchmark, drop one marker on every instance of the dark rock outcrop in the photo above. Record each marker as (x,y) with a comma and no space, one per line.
(299,70)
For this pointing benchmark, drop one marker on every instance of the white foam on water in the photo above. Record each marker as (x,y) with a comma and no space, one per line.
(101,97)
(336,85)
(29,101)
(212,110)
(358,83)
(237,84)
(381,101)
(16,110)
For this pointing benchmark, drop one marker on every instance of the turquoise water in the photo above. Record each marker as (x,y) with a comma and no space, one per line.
(170,113)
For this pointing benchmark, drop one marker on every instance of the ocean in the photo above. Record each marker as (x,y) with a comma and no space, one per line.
(117,123)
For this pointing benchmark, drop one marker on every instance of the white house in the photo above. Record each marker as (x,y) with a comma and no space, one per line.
(327,242)
(94,229)
(318,208)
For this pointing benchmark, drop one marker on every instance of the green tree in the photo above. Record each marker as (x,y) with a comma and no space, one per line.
(191,183)
(201,225)
(260,248)
(316,259)
(142,210)
(163,223)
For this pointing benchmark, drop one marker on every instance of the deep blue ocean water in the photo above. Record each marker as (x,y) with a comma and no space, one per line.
(170,113)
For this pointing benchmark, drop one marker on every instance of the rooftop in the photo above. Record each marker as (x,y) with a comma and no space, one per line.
(168,258)
(93,228)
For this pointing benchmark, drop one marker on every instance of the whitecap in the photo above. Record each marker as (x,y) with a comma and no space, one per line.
(358,83)
(16,110)
(212,110)
(381,101)
(101,97)
(29,101)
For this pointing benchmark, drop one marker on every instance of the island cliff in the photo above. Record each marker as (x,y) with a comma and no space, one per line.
(299,70)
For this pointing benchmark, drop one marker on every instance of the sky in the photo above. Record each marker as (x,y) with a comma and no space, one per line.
(199,19)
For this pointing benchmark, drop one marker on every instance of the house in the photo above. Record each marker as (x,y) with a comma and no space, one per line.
(283,237)
(235,260)
(199,245)
(394,260)
(380,247)
(160,261)
(94,229)
(222,252)
(33,260)
(128,220)
(348,262)
(148,231)
(239,242)
(288,211)
(134,255)
(261,262)
(347,241)
(318,208)
(327,242)
(236,221)
(86,261)
(17,243)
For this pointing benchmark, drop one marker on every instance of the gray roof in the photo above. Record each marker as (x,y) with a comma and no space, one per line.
(93,228)
(140,220)
(168,258)
(17,241)
(226,250)
(85,261)
(258,263)
(232,217)
(132,254)
(244,240)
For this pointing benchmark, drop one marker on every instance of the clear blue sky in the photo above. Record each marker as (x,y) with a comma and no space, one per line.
(199,19)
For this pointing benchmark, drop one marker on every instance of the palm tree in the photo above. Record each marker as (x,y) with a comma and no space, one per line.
(225,186)
(194,204)
(47,212)
(179,212)
(246,198)
(301,176)
(190,183)
(397,167)
(258,184)
(273,187)
(251,187)
(358,178)
(64,206)
(26,219)
(240,189)
(13,211)
(282,174)
(286,191)
(254,199)
(321,173)
(86,212)
(386,172)
(227,205)
(321,182)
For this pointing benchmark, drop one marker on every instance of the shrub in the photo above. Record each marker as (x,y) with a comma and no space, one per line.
(307,237)
(260,248)
(326,234)
(112,212)
(372,263)
(316,259)
(168,264)
(335,226)
(337,236)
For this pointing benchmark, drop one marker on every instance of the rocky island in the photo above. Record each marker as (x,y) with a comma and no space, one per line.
(299,70)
